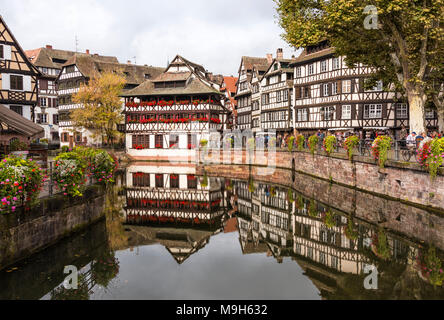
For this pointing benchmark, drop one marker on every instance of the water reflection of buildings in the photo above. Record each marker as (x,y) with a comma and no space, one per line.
(281,223)
(170,205)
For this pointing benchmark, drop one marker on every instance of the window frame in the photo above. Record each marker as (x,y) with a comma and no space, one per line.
(18,84)
(346,112)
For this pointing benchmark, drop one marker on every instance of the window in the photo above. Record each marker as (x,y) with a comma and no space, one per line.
(429,114)
(266,98)
(42,102)
(310,69)
(174,181)
(147,76)
(346,112)
(325,90)
(65,137)
(191,181)
(141,179)
(159,180)
(78,137)
(42,118)
(401,111)
(43,84)
(16,82)
(70,69)
(141,141)
(279,96)
(285,95)
(191,143)
(346,86)
(324,66)
(377,87)
(334,262)
(55,119)
(372,111)
(298,72)
(2,55)
(302,115)
(327,113)
(158,142)
(322,258)
(335,63)
(17,109)
(174,141)
(334,88)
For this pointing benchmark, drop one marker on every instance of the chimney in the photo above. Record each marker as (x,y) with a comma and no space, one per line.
(128,62)
(48,46)
(279,54)
(269,57)
(87,51)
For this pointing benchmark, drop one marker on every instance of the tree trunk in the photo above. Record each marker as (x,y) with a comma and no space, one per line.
(441,119)
(417,112)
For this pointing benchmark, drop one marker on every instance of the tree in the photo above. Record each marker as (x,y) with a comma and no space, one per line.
(102,107)
(402,40)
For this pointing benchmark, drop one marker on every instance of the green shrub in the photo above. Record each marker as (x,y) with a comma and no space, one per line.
(17,145)
(300,141)
(290,143)
(380,148)
(20,183)
(350,143)
(435,158)
(313,143)
(329,144)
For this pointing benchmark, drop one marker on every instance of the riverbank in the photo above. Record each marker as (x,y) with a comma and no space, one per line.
(405,182)
(25,233)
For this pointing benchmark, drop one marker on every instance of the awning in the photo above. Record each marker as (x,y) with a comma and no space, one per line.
(17,123)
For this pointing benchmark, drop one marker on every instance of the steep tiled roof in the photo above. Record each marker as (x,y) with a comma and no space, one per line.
(304,56)
(250,62)
(172,76)
(230,84)
(92,65)
(49,58)
(194,86)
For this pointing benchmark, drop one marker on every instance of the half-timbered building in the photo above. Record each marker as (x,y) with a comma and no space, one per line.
(245,89)
(170,114)
(229,88)
(18,76)
(78,70)
(330,95)
(167,196)
(276,95)
(49,61)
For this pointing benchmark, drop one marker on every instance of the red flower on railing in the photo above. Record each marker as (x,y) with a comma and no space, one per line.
(158,146)
(138,147)
(191,146)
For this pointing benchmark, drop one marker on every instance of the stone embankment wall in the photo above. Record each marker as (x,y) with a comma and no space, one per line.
(398,180)
(414,222)
(25,233)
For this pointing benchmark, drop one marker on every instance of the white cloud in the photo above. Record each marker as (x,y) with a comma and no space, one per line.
(212,33)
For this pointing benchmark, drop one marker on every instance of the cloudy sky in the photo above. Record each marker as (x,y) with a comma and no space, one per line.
(214,33)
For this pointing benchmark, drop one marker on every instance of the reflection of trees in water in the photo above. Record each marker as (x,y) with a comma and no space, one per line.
(101,272)
(322,233)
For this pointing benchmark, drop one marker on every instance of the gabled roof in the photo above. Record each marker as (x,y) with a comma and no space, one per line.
(197,81)
(250,62)
(194,86)
(49,58)
(20,49)
(20,124)
(286,62)
(306,57)
(92,65)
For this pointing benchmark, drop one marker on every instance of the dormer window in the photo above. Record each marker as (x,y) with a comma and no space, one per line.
(147,76)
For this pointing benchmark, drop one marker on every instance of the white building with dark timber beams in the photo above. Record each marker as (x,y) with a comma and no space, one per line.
(329,95)
(168,115)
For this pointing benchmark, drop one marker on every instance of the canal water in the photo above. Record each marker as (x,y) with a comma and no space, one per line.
(171,234)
